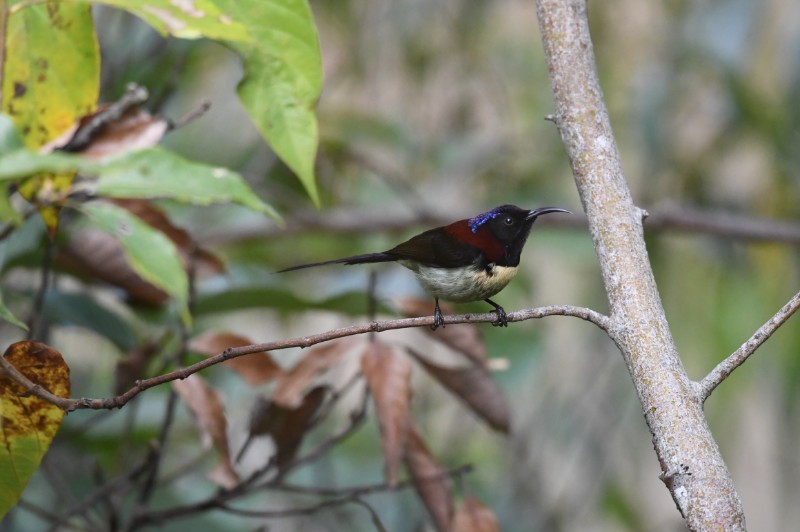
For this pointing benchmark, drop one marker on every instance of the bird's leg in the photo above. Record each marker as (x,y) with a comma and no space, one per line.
(502,319)
(438,318)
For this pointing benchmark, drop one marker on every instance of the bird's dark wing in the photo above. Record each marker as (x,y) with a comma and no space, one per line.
(436,248)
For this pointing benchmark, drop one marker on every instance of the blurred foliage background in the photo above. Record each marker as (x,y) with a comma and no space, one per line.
(435,110)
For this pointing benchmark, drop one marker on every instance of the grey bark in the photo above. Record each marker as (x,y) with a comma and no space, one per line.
(692,467)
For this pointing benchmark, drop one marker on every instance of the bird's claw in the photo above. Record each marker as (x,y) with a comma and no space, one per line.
(502,318)
(438,318)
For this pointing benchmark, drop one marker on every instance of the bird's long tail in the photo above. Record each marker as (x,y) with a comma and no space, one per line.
(356,259)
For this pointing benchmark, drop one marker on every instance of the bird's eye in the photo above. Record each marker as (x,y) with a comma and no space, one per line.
(509,220)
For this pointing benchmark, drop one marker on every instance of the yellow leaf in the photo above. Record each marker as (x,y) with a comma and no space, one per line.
(27,423)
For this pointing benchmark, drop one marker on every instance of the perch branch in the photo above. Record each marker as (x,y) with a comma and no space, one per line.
(738,357)
(71,404)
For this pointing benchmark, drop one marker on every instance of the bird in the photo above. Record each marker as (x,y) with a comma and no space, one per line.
(468,260)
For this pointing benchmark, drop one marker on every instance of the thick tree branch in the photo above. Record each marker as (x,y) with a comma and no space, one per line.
(692,467)
(70,404)
(738,357)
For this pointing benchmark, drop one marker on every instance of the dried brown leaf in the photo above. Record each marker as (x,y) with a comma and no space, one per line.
(136,129)
(255,369)
(94,254)
(293,383)
(474,516)
(286,426)
(388,376)
(475,386)
(430,480)
(205,404)
(463,338)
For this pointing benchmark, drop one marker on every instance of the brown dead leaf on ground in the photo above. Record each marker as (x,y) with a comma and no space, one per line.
(205,404)
(388,376)
(474,516)
(463,338)
(430,480)
(255,369)
(293,383)
(475,387)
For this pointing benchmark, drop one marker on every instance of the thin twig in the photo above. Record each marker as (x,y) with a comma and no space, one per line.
(69,404)
(340,496)
(738,357)
(191,116)
(36,319)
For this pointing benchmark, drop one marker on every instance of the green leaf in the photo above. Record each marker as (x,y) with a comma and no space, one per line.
(283,79)
(52,71)
(10,139)
(21,163)
(150,174)
(157,173)
(9,317)
(187,20)
(151,254)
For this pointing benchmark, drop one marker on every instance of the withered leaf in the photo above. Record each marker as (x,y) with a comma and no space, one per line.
(430,480)
(388,376)
(286,426)
(27,423)
(205,404)
(474,516)
(255,369)
(136,129)
(463,338)
(292,384)
(475,386)
(95,254)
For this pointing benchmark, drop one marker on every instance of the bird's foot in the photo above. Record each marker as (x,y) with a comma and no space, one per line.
(438,317)
(502,319)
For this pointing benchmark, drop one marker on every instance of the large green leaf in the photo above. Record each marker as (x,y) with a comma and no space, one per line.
(157,173)
(27,423)
(151,254)
(188,20)
(283,78)
(151,173)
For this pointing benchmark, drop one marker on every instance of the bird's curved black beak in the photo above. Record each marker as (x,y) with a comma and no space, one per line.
(544,210)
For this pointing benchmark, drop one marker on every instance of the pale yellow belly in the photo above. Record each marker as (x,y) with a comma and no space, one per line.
(462,285)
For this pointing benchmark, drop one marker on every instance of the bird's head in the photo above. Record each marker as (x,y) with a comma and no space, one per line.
(506,227)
